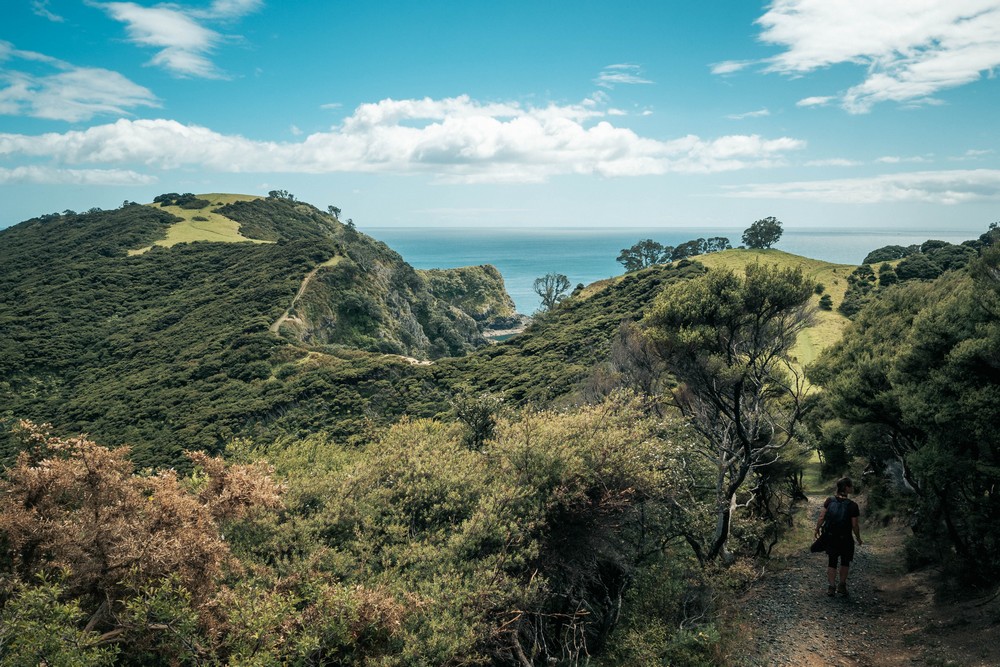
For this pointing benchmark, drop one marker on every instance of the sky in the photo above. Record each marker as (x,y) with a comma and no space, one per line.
(823,113)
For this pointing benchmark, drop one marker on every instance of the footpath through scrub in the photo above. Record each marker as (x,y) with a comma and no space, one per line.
(890,619)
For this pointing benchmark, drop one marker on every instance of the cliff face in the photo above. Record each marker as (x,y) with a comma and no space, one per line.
(478,291)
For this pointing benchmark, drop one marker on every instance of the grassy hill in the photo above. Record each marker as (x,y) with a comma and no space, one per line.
(829,324)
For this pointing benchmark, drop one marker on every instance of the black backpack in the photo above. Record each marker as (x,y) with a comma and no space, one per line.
(838,521)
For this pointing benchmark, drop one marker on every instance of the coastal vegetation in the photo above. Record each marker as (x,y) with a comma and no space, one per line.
(763,233)
(304,451)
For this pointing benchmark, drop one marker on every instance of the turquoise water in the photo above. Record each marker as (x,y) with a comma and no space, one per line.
(586,255)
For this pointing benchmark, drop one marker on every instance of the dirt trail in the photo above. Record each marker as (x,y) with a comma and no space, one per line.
(890,618)
(285,316)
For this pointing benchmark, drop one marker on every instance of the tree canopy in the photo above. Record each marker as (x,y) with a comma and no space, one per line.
(726,339)
(763,233)
(648,252)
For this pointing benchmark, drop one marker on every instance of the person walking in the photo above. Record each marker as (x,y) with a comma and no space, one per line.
(839,522)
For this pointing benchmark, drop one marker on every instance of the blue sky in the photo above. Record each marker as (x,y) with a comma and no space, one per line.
(824,113)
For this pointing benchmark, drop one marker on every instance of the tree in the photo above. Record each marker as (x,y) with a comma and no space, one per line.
(75,506)
(552,288)
(726,339)
(644,253)
(334,211)
(717,244)
(762,233)
(281,194)
(689,249)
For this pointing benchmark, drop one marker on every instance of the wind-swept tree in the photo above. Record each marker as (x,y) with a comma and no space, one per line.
(726,339)
(552,288)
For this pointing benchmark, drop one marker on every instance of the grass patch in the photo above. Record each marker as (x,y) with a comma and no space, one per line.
(813,482)
(203,224)
(829,324)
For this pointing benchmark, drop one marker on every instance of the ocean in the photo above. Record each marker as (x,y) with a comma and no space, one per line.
(586,255)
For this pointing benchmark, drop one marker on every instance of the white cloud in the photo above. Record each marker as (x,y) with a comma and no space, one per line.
(455,139)
(622,74)
(760,113)
(833,162)
(185,45)
(899,159)
(731,66)
(41,8)
(935,187)
(228,9)
(911,49)
(818,101)
(974,154)
(67,92)
(50,175)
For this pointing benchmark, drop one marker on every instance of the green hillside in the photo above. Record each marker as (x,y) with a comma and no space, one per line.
(188,344)
(557,355)
(173,348)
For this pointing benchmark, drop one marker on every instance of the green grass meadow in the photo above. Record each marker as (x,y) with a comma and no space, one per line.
(213,227)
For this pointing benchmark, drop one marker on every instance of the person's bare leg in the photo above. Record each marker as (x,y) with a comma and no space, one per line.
(844,569)
(831,576)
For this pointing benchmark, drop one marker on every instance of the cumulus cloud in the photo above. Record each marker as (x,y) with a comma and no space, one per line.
(974,154)
(64,91)
(454,139)
(184,44)
(910,49)
(50,175)
(935,187)
(621,74)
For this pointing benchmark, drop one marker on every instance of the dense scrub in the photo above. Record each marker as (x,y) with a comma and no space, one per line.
(913,392)
(560,353)
(410,550)
(925,261)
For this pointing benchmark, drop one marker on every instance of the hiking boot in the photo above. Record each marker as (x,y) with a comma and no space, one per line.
(831,591)
(842,589)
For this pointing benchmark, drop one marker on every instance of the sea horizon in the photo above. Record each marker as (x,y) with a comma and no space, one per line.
(587,254)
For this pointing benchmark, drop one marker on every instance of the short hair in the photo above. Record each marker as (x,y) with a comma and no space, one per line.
(843,483)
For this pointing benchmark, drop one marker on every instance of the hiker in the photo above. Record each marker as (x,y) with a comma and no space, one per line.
(838,520)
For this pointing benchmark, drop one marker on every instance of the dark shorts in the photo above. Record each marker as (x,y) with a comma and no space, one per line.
(841,548)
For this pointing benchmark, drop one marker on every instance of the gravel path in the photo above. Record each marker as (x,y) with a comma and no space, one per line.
(793,622)
(891,619)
